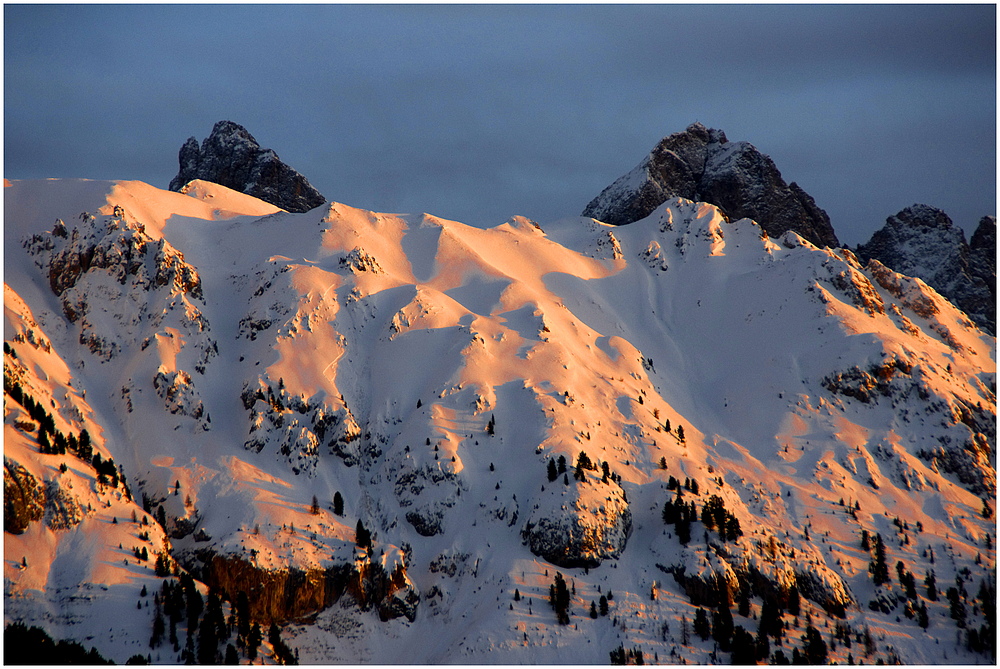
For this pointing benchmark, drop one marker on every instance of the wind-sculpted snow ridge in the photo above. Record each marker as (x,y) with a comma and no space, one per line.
(418,441)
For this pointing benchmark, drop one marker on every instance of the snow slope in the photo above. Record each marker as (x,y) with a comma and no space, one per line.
(239,361)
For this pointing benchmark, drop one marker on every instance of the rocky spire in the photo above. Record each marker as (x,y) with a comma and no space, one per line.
(921,241)
(231,157)
(701,164)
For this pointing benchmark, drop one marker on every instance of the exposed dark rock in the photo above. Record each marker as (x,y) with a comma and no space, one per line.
(578,537)
(295,594)
(23,499)
(426,523)
(231,157)
(921,241)
(701,164)
(62,509)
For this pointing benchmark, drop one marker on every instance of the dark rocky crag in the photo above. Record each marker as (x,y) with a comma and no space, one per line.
(231,157)
(294,594)
(921,241)
(701,164)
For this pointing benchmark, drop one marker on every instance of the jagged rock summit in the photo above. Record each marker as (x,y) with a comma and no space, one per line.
(921,241)
(701,164)
(231,157)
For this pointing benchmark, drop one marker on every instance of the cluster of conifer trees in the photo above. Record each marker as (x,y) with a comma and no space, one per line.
(558,467)
(180,602)
(714,514)
(32,645)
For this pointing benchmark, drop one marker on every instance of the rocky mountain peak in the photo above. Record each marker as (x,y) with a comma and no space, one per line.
(922,241)
(701,164)
(231,157)
(984,239)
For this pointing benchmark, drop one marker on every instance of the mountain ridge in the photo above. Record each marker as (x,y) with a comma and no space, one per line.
(432,375)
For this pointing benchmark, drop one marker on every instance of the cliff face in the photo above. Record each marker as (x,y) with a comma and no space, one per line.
(23,500)
(921,241)
(701,164)
(231,157)
(296,594)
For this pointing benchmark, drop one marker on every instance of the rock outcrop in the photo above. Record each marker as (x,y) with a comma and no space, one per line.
(700,164)
(231,157)
(921,241)
(579,529)
(23,499)
(295,594)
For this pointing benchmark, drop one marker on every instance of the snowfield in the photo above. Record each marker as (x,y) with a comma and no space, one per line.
(238,362)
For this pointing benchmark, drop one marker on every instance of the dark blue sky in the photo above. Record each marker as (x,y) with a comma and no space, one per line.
(480,112)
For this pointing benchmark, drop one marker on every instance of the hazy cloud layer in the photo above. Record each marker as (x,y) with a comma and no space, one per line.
(478,113)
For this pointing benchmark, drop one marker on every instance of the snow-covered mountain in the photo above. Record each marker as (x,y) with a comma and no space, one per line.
(408,440)
(921,241)
(702,164)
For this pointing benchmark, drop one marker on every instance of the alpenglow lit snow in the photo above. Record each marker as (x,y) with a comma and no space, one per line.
(409,440)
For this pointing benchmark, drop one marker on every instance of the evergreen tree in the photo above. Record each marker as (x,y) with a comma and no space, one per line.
(254,640)
(878,567)
(733,529)
(702,626)
(815,647)
(603,603)
(931,582)
(232,657)
(314,507)
(593,609)
(770,622)
(743,601)
(553,473)
(722,628)
(793,601)
(680,433)
(242,615)
(618,655)
(274,634)
(562,464)
(338,504)
(744,647)
(158,628)
(683,527)
(559,597)
(208,642)
(213,614)
(195,604)
(762,645)
(957,607)
(362,537)
(582,465)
